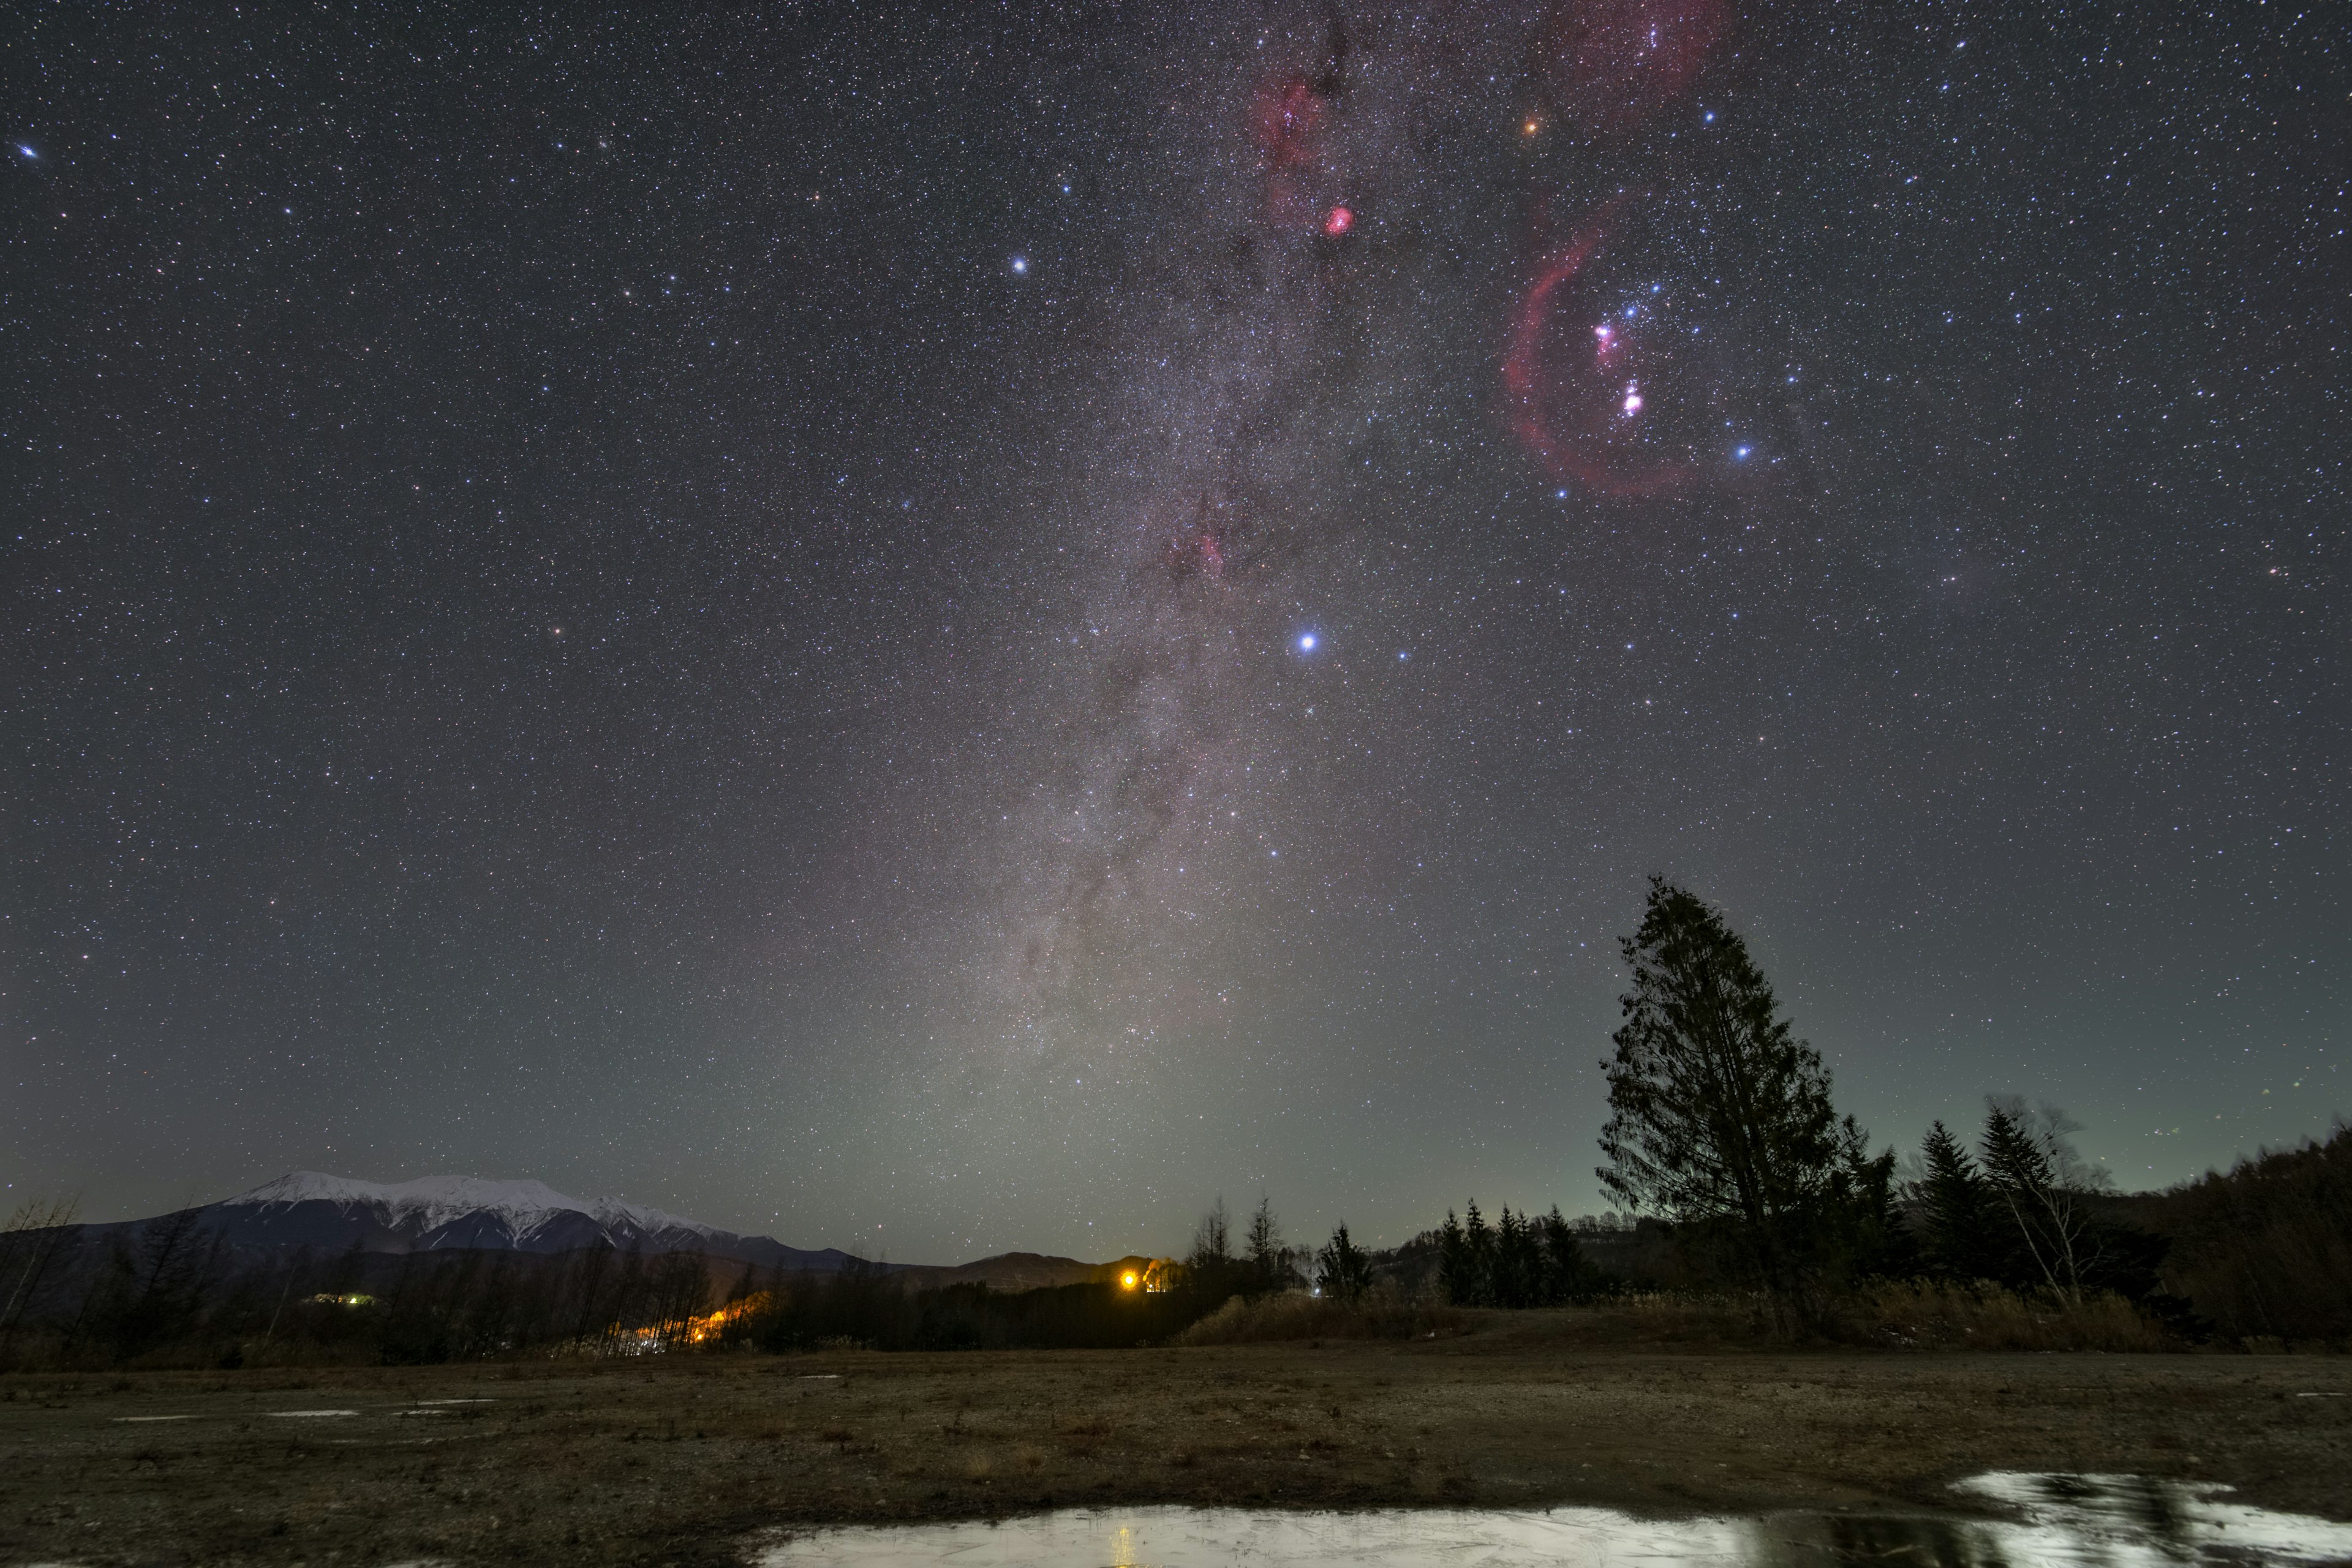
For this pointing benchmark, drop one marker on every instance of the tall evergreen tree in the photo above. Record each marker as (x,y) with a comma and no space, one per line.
(1957,1217)
(1343,1271)
(1719,1117)
(1568,1274)
(1518,1261)
(2040,1185)
(1456,1277)
(1860,1232)
(1478,1257)
(1269,1260)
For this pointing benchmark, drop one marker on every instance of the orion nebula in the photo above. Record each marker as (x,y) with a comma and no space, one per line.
(1175,732)
(948,629)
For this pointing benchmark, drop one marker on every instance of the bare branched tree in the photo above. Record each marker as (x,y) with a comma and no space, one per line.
(1212,1245)
(35,1233)
(2040,1182)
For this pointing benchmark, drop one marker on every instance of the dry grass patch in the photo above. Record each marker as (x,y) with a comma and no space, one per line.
(1926,1316)
(1294,1315)
(600,1469)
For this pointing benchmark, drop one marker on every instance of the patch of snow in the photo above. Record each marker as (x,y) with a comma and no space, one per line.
(431,1202)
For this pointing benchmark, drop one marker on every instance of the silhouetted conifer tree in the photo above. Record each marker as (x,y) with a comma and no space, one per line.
(1568,1274)
(1718,1116)
(1957,1217)
(1268,1259)
(1343,1271)
(1455,1279)
(1519,1267)
(1478,1257)
(2040,1184)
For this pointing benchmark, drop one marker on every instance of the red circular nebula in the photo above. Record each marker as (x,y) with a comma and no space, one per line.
(1575,388)
(1338,221)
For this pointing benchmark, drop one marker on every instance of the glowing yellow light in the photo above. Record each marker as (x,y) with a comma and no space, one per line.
(1130,1279)
(1530,128)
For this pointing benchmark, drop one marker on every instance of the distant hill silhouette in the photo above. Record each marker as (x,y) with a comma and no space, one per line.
(331,1215)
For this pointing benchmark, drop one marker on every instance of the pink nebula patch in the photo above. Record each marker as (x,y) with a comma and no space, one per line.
(1570,401)
(1611,64)
(1286,120)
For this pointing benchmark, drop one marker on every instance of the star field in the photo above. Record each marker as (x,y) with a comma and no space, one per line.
(953,629)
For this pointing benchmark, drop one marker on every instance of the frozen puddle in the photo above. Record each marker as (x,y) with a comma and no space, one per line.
(2096,1521)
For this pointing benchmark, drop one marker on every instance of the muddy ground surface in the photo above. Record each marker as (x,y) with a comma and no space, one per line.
(676,1460)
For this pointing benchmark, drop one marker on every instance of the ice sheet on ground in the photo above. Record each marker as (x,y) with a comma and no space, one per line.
(2060,1521)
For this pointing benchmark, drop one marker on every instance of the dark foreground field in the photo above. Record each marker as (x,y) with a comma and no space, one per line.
(674,1461)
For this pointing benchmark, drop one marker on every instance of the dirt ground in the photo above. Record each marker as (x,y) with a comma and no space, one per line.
(676,1460)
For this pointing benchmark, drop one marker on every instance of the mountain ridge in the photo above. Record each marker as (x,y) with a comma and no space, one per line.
(331,1213)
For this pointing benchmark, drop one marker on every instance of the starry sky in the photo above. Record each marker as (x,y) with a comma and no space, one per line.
(951,628)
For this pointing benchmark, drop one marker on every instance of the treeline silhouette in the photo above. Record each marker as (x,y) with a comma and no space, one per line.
(2260,1253)
(1723,1144)
(176,1292)
(2264,1251)
(869,1310)
(1522,1260)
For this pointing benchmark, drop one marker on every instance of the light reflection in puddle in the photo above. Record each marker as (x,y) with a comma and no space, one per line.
(2092,1520)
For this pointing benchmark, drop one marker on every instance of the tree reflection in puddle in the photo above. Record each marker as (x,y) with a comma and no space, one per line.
(2092,1520)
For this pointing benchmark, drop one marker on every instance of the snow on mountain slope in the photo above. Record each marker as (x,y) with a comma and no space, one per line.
(430,1203)
(315,1210)
(328,1214)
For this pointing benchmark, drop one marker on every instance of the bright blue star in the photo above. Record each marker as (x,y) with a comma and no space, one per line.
(1307,642)
(27,151)
(1020,266)
(1740,452)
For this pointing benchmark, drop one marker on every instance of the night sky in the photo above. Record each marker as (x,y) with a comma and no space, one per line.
(947,629)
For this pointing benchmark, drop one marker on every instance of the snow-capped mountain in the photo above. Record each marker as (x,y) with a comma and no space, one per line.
(331,1213)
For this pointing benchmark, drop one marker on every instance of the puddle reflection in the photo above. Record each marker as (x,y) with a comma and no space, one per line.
(2092,1520)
